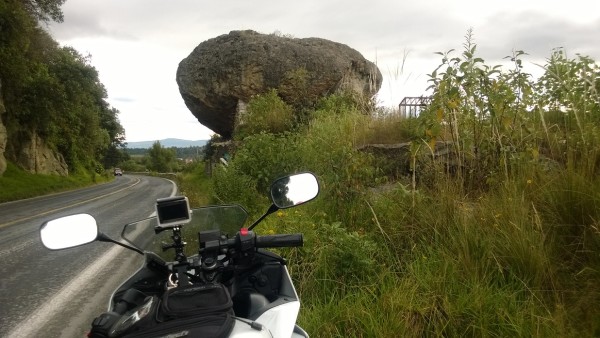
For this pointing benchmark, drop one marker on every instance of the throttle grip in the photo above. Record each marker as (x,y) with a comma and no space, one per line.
(279,241)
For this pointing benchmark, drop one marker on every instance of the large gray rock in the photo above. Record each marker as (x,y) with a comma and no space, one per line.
(3,135)
(36,157)
(223,73)
(394,160)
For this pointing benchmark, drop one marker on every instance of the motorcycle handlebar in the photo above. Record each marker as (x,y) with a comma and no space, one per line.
(279,241)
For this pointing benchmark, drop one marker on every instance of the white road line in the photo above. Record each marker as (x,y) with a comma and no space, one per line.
(54,305)
(67,206)
(37,319)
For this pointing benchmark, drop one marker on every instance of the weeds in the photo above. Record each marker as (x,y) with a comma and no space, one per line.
(494,235)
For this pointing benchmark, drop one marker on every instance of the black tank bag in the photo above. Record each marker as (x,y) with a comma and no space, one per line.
(187,311)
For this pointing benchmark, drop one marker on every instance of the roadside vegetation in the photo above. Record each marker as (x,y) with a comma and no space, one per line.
(499,238)
(18,184)
(51,95)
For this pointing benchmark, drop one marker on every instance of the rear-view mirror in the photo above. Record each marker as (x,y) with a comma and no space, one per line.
(294,190)
(69,231)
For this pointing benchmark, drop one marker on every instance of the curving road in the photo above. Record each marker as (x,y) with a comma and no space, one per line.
(58,293)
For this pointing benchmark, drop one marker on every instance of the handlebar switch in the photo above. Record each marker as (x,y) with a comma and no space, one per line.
(246,239)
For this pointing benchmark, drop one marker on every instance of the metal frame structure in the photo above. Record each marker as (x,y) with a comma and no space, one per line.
(410,106)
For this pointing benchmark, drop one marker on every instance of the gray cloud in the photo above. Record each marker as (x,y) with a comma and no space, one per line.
(379,28)
(123,99)
(391,33)
(537,34)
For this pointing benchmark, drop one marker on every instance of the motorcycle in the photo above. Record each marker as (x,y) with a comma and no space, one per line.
(222,281)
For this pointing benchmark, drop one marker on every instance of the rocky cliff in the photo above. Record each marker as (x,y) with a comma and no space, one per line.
(29,151)
(36,157)
(223,73)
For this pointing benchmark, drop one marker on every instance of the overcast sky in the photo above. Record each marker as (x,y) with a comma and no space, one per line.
(136,45)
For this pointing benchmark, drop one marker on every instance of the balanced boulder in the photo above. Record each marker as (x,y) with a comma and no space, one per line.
(222,74)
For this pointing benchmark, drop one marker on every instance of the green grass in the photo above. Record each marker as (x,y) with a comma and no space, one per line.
(449,266)
(518,260)
(196,186)
(18,184)
(502,240)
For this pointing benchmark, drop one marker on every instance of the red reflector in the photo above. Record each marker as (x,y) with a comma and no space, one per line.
(244,231)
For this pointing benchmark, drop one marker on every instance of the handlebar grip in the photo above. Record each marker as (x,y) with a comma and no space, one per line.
(279,241)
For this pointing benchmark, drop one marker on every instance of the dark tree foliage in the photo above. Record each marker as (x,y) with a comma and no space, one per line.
(52,91)
(210,149)
(114,156)
(44,10)
(109,121)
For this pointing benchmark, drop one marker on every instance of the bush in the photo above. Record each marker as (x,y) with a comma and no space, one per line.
(230,185)
(264,113)
(265,157)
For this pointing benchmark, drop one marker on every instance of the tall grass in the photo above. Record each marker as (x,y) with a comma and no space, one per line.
(498,238)
(196,186)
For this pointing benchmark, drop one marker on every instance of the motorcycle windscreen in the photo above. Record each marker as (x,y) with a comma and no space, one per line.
(226,218)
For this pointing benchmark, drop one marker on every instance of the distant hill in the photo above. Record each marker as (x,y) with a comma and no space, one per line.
(167,143)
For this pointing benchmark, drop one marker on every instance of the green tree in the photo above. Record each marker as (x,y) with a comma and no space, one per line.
(44,10)
(52,91)
(83,125)
(114,156)
(210,148)
(161,159)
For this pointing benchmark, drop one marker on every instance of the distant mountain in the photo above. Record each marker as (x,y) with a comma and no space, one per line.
(167,143)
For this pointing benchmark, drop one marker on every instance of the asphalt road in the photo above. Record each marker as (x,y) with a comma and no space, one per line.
(58,293)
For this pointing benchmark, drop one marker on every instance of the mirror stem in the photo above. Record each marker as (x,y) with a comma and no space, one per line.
(271,210)
(103,238)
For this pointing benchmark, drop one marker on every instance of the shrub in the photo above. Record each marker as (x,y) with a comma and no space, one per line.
(264,113)
(265,157)
(232,186)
